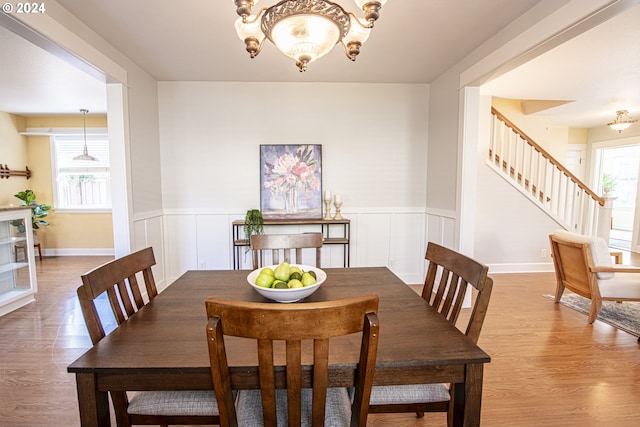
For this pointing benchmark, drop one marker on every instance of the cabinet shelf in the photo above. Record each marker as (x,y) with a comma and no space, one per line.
(11,240)
(326,227)
(13,266)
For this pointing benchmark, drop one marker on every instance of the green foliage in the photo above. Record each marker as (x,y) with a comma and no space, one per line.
(38,211)
(253,223)
(609,181)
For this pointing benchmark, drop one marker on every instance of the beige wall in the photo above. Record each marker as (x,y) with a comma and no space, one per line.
(553,139)
(67,232)
(13,154)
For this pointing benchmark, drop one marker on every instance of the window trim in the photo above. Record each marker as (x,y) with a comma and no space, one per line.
(66,133)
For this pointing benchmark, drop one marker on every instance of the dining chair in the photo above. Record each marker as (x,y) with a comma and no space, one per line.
(293,385)
(449,276)
(118,280)
(285,244)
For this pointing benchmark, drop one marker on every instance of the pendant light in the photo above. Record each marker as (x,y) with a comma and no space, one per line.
(85,153)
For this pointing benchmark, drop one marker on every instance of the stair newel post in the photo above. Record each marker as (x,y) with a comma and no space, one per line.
(604,217)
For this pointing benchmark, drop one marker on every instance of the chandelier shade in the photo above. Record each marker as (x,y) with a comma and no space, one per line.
(305,30)
(622,121)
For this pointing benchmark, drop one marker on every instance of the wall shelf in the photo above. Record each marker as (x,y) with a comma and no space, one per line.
(5,172)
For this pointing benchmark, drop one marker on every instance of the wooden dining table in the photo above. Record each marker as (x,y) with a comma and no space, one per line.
(163,346)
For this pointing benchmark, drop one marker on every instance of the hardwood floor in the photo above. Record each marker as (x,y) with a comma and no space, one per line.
(549,367)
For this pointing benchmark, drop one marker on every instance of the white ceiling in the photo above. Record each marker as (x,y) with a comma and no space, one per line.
(33,81)
(599,71)
(413,42)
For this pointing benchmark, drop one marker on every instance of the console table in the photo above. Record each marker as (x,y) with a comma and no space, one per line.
(334,232)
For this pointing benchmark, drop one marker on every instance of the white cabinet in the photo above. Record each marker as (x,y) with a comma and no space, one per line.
(18,284)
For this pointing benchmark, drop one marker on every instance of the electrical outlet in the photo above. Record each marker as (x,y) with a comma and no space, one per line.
(543,253)
(203,265)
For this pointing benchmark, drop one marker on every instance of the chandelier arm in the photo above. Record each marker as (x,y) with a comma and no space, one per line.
(257,17)
(369,24)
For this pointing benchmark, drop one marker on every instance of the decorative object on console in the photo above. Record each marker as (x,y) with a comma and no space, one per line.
(290,181)
(338,202)
(305,30)
(253,223)
(622,121)
(327,205)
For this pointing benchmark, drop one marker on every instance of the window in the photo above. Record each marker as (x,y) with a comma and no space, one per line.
(81,184)
(621,164)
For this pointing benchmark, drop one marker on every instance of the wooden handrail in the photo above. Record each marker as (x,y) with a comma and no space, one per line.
(548,156)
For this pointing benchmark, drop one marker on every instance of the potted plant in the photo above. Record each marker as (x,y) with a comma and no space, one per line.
(608,183)
(253,223)
(38,212)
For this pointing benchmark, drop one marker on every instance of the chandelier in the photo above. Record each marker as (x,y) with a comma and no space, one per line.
(622,121)
(306,30)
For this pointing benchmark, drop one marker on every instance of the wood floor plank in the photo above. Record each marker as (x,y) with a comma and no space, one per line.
(549,367)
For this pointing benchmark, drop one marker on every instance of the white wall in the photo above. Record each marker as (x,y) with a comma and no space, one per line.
(546,25)
(374,142)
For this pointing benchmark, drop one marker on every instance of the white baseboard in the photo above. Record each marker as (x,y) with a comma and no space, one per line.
(78,252)
(538,267)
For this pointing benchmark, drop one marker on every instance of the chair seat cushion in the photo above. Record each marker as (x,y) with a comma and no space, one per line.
(179,402)
(623,286)
(405,394)
(337,412)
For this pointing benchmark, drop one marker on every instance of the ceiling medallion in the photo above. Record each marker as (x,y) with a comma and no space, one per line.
(306,30)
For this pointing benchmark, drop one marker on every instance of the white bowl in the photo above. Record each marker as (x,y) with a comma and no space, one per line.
(287,295)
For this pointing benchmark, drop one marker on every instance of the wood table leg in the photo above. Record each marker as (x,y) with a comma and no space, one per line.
(467,398)
(93,404)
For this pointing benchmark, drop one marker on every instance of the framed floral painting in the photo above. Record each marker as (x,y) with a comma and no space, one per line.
(291,181)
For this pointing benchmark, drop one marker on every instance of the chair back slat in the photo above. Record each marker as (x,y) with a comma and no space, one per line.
(267,381)
(118,279)
(293,324)
(449,277)
(283,246)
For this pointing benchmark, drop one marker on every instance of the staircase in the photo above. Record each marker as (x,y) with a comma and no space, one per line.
(544,181)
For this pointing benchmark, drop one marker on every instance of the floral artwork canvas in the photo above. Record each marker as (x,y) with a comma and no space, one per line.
(291,181)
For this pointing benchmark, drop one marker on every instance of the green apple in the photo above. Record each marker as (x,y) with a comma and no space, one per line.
(267,270)
(295,283)
(308,279)
(279,284)
(264,280)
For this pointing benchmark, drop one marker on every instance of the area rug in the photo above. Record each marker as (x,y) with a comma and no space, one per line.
(624,316)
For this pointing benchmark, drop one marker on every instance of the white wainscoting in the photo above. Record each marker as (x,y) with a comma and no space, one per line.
(198,240)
